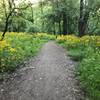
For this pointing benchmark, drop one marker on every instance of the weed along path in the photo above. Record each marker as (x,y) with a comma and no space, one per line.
(50,76)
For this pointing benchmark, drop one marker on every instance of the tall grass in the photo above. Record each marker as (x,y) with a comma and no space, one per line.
(86,51)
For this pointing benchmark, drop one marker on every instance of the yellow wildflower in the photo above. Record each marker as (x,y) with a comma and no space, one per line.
(3,44)
(12,49)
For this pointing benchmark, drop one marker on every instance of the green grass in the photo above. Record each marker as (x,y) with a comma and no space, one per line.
(76,54)
(88,68)
(18,47)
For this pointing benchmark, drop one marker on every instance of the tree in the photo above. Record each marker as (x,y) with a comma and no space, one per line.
(9,9)
(83,19)
(86,7)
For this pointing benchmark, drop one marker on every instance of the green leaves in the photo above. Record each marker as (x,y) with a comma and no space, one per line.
(87,53)
(21,47)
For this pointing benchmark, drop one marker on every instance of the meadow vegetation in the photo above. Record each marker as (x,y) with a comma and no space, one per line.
(86,51)
(17,47)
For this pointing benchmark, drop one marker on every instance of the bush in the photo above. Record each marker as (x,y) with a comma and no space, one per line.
(89,75)
(16,48)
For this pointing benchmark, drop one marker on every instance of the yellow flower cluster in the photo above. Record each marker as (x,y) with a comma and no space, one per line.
(93,40)
(45,35)
(12,49)
(16,47)
(5,45)
(72,39)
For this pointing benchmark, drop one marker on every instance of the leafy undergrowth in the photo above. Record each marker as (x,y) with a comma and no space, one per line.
(18,47)
(86,51)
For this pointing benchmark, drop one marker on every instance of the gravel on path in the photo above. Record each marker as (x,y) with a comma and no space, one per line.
(50,76)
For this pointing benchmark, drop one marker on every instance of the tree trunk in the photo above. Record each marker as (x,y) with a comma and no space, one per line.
(64,24)
(5,28)
(59,27)
(82,25)
(54,31)
(41,16)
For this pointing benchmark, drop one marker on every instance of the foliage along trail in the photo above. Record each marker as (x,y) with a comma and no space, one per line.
(50,76)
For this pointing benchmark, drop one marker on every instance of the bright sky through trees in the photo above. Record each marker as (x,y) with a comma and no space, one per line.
(32,1)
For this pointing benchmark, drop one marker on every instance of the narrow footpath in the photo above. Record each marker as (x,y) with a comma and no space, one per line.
(49,76)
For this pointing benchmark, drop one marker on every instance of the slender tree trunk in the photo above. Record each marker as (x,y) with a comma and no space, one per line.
(6,24)
(54,30)
(64,24)
(82,25)
(59,17)
(42,14)
(18,28)
(32,15)
(60,27)
(5,28)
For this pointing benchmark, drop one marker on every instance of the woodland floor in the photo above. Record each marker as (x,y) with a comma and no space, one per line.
(49,76)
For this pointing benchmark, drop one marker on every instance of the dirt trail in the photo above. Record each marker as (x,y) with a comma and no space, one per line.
(48,77)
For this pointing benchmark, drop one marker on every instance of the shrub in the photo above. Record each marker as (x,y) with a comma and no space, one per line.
(16,48)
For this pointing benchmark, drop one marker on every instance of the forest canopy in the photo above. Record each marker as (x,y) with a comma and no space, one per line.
(78,17)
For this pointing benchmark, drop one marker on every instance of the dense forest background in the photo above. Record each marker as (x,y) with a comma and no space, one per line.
(51,16)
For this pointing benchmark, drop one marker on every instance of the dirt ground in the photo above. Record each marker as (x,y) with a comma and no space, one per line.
(49,76)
